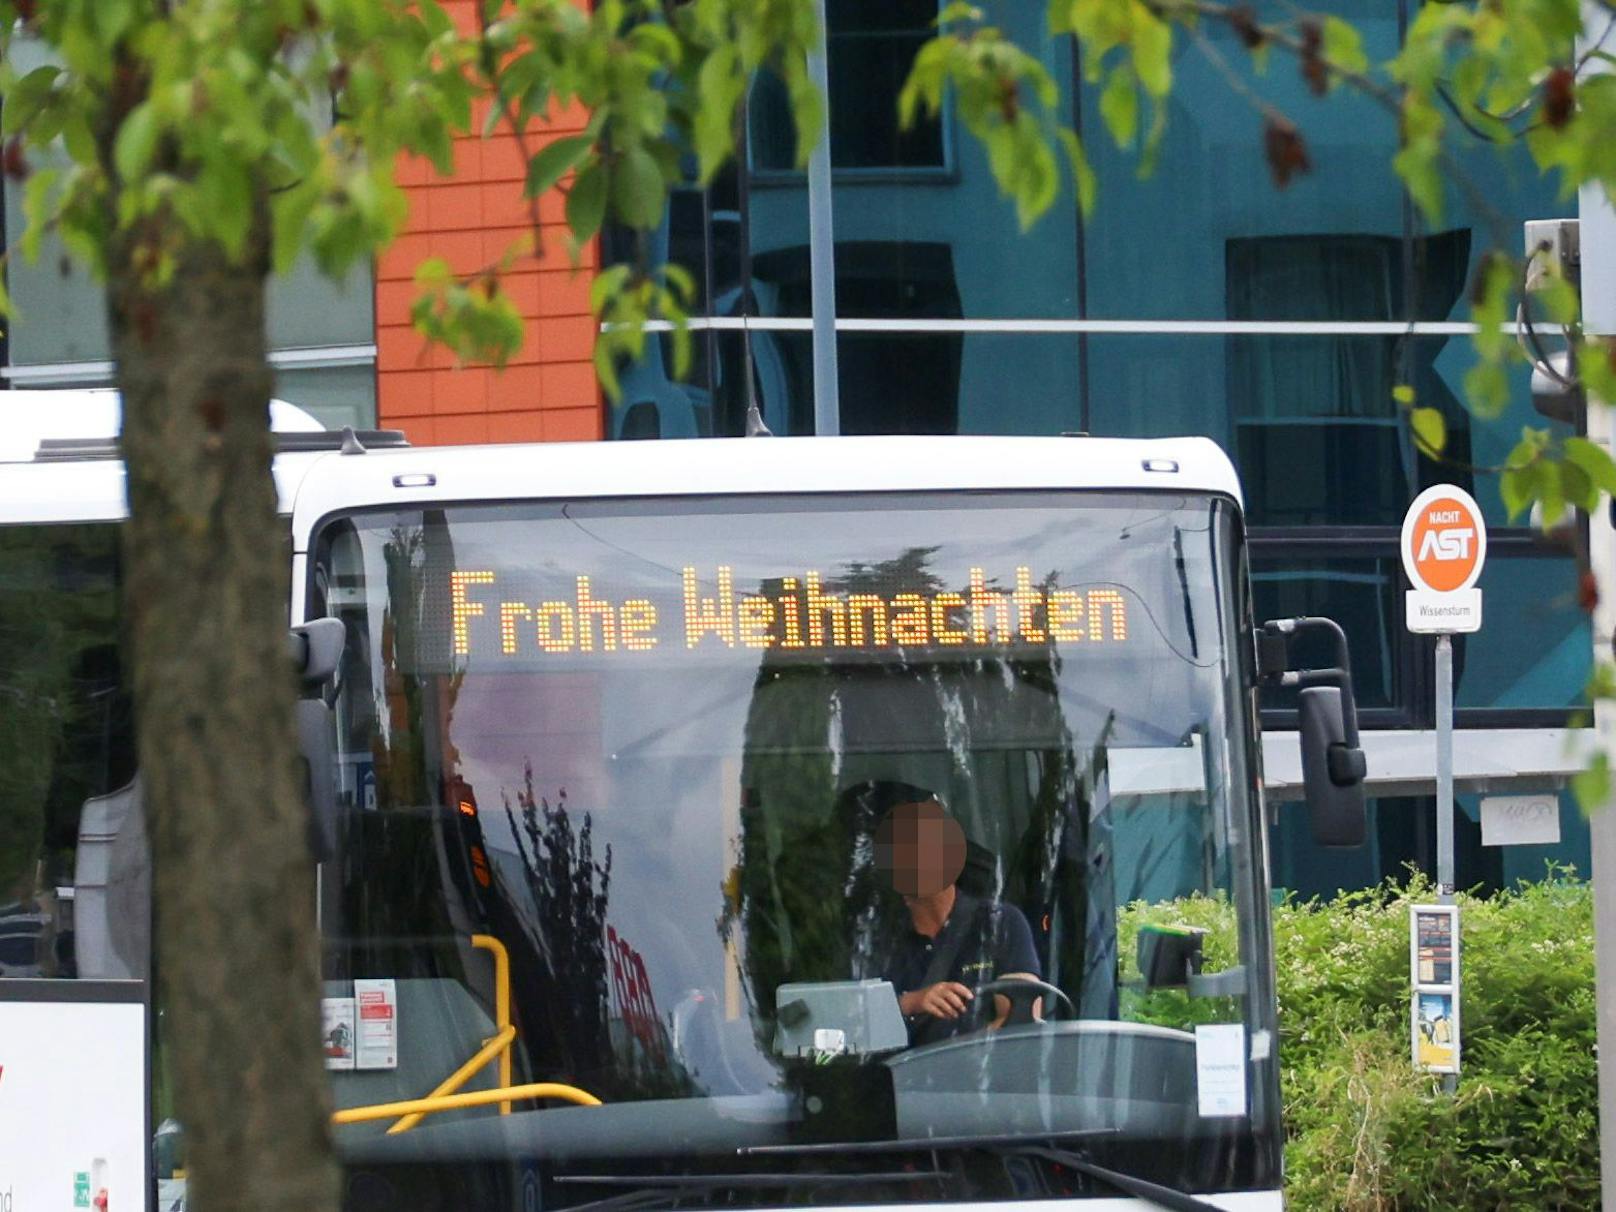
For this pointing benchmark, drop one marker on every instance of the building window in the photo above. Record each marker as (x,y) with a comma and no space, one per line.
(870,49)
(1325,402)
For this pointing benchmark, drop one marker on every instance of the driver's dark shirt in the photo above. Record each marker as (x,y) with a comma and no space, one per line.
(989,941)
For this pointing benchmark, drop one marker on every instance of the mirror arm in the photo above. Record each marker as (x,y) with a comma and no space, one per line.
(1340,675)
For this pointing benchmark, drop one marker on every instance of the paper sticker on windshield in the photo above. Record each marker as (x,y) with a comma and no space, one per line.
(1220,1069)
(337,1032)
(376,1035)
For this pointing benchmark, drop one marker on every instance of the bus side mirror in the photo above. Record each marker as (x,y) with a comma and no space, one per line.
(1333,763)
(317,648)
(1332,770)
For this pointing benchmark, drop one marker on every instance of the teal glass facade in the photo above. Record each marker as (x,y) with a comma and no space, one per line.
(1181,298)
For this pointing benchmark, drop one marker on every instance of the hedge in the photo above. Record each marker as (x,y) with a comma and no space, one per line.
(1365,1133)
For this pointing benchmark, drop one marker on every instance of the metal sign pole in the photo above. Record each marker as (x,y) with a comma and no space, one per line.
(1444,769)
(1444,796)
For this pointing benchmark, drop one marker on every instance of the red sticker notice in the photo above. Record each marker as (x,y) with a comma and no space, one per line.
(376,1038)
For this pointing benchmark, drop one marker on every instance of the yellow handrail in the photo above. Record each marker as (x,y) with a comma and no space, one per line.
(473,1098)
(460,1076)
(441,1098)
(502,1010)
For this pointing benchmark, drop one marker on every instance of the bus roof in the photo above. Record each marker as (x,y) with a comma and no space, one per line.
(28,418)
(747,466)
(92,489)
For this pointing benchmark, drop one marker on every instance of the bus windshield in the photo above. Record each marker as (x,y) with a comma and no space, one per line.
(704,798)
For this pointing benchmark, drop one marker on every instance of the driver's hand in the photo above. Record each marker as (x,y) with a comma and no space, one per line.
(945,999)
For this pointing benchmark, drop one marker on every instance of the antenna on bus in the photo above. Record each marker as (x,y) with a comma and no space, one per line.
(755,428)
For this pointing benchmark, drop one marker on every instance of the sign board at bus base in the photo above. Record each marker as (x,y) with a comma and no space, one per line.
(1444,546)
(1433,947)
(72,1105)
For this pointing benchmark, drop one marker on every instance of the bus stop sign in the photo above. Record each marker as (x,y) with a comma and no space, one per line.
(1444,547)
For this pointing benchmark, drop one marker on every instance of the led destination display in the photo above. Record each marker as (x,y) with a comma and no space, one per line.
(491,618)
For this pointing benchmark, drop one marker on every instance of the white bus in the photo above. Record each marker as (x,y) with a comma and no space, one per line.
(636,753)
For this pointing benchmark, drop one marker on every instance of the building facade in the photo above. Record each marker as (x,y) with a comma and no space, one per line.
(1200,300)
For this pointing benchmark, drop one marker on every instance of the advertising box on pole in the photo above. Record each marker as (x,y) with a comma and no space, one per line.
(1433,952)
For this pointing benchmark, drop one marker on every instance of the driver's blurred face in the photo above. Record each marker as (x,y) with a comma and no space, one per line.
(921,847)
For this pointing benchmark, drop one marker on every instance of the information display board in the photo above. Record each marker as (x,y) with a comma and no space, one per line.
(73,1106)
(1433,946)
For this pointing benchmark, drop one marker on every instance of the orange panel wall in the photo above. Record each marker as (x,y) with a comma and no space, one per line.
(548,391)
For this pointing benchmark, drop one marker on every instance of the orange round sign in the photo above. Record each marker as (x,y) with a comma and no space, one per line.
(1444,539)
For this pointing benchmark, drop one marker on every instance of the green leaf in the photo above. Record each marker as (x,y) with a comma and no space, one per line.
(1416,164)
(1417,161)
(1430,430)
(136,143)
(289,215)
(586,202)
(1343,45)
(1154,135)
(554,161)
(1403,394)
(1119,105)
(924,86)
(1592,786)
(226,196)
(957,11)
(1517,487)
(78,139)
(1594,461)
(38,209)
(25,98)
(433,272)
(1579,488)
(682,344)
(637,189)
(436,21)
(1486,387)
(1082,172)
(680,281)
(1556,298)
(1551,493)
(719,86)
(1152,51)
(605,287)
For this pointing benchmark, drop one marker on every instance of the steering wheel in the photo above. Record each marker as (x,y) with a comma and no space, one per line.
(1022,992)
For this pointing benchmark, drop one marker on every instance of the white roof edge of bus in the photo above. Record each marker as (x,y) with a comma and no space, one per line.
(30,416)
(746,466)
(92,490)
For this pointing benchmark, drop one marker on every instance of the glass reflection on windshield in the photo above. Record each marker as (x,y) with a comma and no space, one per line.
(861,820)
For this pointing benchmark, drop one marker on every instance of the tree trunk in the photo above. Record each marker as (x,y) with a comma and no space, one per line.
(207,570)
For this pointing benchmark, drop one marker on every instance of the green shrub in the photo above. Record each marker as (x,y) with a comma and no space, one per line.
(1368,1133)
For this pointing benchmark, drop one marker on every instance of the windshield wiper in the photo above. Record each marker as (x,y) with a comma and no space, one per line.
(1041,1145)
(655,1190)
(1129,1184)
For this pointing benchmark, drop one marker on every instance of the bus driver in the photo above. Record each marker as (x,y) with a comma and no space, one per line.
(955,942)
